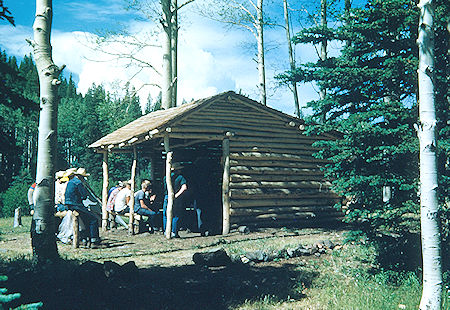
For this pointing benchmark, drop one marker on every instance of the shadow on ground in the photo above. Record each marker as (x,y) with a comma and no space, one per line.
(91,285)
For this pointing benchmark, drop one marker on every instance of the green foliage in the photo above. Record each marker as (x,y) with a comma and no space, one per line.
(371,101)
(15,196)
(6,298)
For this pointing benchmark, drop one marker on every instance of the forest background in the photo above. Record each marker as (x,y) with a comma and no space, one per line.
(370,96)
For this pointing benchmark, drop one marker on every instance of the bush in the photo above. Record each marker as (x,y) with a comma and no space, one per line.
(15,196)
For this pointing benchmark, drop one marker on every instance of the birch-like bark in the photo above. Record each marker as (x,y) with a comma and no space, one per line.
(43,224)
(260,39)
(169,186)
(166,89)
(429,208)
(298,112)
(174,51)
(323,49)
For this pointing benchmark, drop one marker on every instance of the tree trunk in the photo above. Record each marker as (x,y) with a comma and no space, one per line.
(105,191)
(260,39)
(174,51)
(432,270)
(43,224)
(323,49)
(166,89)
(169,185)
(298,112)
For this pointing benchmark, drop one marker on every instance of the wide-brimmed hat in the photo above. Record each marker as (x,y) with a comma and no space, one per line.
(69,172)
(59,174)
(82,172)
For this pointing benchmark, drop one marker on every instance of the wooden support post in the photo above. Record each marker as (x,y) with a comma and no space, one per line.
(17,217)
(226,186)
(76,229)
(170,192)
(105,191)
(133,187)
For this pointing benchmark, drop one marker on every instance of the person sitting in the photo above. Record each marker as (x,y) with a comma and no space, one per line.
(74,196)
(60,190)
(121,201)
(146,207)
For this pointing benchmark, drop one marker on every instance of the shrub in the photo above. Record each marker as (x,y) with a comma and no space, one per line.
(15,196)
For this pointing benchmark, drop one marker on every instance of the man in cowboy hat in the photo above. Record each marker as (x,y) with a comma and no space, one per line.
(74,196)
(179,187)
(60,189)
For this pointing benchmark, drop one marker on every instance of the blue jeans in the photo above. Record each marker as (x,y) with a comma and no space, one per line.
(151,216)
(198,211)
(88,219)
(175,218)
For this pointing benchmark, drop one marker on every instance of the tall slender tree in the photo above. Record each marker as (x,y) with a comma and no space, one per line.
(429,207)
(43,223)
(298,111)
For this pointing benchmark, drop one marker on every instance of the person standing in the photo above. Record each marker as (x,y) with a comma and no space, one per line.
(74,196)
(60,190)
(30,196)
(179,187)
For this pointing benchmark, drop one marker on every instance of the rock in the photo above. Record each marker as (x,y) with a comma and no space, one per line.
(244,230)
(111,269)
(328,244)
(257,256)
(130,270)
(213,258)
(313,249)
(291,252)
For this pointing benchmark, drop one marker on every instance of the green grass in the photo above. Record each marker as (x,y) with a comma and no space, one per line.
(349,280)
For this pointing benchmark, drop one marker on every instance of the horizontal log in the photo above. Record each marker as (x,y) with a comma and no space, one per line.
(293,151)
(280,210)
(263,184)
(236,114)
(282,202)
(273,163)
(280,178)
(293,221)
(281,193)
(255,131)
(223,120)
(200,136)
(305,144)
(274,171)
(275,156)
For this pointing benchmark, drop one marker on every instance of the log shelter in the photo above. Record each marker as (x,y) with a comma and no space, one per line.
(251,164)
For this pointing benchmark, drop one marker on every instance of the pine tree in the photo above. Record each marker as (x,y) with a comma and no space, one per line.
(371,99)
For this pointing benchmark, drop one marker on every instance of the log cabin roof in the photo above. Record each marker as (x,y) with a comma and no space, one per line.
(155,123)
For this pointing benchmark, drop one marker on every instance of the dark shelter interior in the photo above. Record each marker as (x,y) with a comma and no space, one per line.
(203,171)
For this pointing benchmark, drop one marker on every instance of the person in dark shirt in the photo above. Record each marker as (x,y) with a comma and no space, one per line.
(74,196)
(179,185)
(146,205)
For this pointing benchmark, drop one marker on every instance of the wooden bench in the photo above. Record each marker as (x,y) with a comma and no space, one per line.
(76,226)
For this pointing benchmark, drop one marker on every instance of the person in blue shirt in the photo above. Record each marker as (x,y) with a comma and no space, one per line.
(179,185)
(74,196)
(146,205)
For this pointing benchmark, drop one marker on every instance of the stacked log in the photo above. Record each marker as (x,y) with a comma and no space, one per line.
(273,175)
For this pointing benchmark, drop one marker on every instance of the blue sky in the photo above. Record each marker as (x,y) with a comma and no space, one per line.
(212,59)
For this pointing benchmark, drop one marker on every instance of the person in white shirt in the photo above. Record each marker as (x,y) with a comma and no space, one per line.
(123,198)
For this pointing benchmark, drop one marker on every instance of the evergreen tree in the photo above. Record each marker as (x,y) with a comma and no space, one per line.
(371,100)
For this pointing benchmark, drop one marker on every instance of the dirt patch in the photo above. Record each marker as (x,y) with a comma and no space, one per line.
(146,271)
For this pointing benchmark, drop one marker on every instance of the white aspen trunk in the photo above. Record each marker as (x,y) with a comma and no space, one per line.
(43,223)
(133,190)
(260,39)
(169,185)
(226,187)
(105,191)
(298,112)
(174,51)
(429,208)
(166,89)
(323,49)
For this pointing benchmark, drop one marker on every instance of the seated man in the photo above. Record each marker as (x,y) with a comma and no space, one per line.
(146,207)
(74,196)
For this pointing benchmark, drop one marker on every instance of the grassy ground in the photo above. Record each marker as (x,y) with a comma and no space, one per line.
(344,278)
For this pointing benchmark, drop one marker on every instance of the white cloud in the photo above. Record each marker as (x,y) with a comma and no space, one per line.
(211,60)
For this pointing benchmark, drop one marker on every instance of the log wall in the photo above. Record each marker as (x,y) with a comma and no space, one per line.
(273,176)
